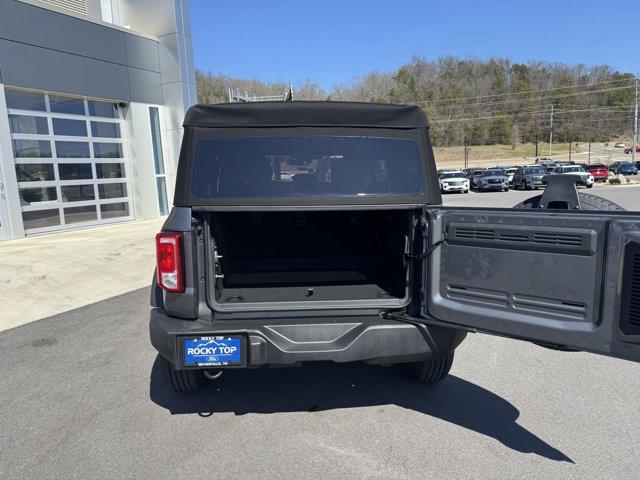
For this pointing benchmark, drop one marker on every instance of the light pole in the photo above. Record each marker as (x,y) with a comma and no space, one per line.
(551,131)
(635,127)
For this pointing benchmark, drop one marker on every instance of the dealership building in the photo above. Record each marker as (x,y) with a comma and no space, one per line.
(92,98)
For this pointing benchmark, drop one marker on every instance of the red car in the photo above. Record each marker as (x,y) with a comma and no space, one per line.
(600,171)
(630,149)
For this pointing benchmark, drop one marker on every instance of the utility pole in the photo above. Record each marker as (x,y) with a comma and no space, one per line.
(635,127)
(551,131)
(589,152)
(536,145)
(466,155)
(569,151)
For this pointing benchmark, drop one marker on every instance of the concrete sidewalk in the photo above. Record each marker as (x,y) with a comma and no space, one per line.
(45,275)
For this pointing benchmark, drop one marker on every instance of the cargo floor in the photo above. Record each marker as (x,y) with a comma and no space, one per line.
(307,293)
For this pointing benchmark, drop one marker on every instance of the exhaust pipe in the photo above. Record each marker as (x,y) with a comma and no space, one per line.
(213,374)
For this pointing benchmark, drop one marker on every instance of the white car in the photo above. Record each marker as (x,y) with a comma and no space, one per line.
(509,172)
(586,179)
(453,182)
(619,145)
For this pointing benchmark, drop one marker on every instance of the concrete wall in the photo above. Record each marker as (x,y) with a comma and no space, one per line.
(47,50)
(169,21)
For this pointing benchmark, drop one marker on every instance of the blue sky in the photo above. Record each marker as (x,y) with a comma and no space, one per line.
(332,41)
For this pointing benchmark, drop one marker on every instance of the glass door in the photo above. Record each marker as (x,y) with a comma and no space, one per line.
(71,160)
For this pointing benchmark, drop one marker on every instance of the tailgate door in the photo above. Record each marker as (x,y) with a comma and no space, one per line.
(562,278)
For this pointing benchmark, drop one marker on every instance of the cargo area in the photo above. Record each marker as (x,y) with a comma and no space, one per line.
(329,256)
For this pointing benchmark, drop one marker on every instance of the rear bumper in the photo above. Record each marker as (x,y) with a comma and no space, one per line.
(291,341)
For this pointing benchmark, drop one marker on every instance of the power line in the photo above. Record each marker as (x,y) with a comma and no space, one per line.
(531,113)
(531,91)
(613,116)
(603,120)
(549,97)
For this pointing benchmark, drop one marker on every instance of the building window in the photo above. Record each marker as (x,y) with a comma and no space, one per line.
(158,161)
(71,160)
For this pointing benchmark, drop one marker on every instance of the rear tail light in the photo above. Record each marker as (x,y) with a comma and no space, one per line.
(169,260)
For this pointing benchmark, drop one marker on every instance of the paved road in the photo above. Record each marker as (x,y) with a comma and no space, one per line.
(80,398)
(47,274)
(627,197)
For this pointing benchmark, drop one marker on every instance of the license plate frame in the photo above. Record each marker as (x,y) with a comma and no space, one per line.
(212,351)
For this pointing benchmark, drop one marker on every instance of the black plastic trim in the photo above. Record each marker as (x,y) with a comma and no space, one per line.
(290,341)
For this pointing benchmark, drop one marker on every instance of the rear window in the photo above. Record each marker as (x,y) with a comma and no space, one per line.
(573,169)
(307,165)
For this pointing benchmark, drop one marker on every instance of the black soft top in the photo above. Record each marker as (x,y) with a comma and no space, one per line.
(306,114)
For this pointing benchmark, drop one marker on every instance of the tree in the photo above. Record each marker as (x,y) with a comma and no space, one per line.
(486,101)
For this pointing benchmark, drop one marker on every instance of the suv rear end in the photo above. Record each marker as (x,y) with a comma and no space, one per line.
(296,227)
(600,171)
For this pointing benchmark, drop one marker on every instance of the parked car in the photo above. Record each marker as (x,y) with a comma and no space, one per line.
(529,177)
(600,171)
(356,260)
(619,145)
(492,179)
(623,167)
(473,175)
(586,179)
(544,160)
(630,150)
(453,182)
(509,172)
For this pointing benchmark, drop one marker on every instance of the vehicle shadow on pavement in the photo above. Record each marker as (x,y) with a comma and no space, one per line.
(332,386)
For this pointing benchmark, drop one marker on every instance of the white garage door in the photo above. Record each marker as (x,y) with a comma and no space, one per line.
(70,159)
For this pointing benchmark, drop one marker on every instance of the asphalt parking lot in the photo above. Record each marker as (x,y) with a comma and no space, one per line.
(627,197)
(81,398)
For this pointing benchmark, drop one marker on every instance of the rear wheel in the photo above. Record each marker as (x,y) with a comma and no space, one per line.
(181,381)
(430,371)
(587,202)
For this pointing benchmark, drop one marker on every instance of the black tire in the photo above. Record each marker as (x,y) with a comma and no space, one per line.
(181,381)
(589,186)
(430,371)
(524,185)
(587,202)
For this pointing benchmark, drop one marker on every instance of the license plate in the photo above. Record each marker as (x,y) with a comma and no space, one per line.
(218,351)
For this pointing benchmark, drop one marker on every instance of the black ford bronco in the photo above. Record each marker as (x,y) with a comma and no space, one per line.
(314,231)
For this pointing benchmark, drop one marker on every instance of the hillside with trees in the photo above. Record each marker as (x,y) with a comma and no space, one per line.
(496,101)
